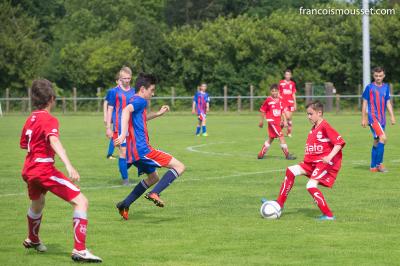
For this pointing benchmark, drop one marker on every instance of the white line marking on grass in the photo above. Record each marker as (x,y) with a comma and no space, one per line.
(194,149)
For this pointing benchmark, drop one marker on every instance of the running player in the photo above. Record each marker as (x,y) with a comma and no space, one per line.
(139,151)
(322,160)
(271,110)
(40,137)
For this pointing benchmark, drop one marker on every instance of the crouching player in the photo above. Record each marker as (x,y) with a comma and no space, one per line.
(139,152)
(271,110)
(40,138)
(322,160)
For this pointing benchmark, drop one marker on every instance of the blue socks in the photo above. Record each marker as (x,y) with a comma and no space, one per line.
(380,149)
(165,181)
(204,129)
(197,130)
(138,191)
(373,156)
(123,168)
(110,148)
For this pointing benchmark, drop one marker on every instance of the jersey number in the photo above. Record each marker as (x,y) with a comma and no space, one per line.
(29,134)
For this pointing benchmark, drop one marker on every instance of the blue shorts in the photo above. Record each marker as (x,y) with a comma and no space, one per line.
(377,129)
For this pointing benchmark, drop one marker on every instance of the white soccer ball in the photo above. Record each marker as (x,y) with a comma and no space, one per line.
(270,210)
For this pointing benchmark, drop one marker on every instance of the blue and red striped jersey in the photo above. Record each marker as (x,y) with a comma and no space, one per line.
(201,99)
(377,97)
(137,142)
(119,99)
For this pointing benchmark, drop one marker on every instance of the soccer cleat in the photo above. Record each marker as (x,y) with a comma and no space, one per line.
(326,218)
(263,200)
(197,135)
(373,169)
(84,256)
(382,169)
(289,135)
(205,134)
(290,157)
(123,211)
(262,152)
(37,246)
(110,157)
(154,197)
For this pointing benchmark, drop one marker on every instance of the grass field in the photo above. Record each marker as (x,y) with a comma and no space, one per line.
(212,213)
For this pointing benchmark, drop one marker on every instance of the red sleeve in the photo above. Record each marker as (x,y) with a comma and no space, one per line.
(50,128)
(294,87)
(264,106)
(334,136)
(23,143)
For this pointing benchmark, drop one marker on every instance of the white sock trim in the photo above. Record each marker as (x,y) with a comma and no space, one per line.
(295,169)
(284,146)
(80,214)
(311,184)
(33,215)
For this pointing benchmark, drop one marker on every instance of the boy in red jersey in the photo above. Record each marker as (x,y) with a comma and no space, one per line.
(322,160)
(271,110)
(40,137)
(287,90)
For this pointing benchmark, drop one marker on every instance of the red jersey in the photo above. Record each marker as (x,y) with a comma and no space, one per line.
(35,137)
(320,142)
(286,90)
(272,107)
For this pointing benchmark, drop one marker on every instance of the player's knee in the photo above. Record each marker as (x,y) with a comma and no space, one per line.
(294,170)
(312,184)
(180,168)
(81,202)
(382,138)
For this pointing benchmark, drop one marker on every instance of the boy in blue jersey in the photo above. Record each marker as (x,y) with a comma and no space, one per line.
(376,98)
(201,105)
(118,99)
(139,152)
(110,150)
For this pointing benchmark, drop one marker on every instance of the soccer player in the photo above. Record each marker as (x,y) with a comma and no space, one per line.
(376,97)
(322,160)
(200,106)
(287,90)
(140,153)
(118,99)
(40,137)
(271,110)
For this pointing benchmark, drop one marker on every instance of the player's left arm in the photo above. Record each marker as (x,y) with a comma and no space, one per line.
(390,110)
(336,140)
(294,101)
(55,143)
(335,150)
(163,110)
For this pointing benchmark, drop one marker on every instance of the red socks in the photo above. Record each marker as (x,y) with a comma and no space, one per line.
(286,187)
(320,200)
(80,224)
(34,220)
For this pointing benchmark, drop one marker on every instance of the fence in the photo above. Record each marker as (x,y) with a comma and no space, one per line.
(238,103)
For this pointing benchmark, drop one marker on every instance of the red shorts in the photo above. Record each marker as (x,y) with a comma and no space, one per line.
(376,129)
(152,160)
(40,180)
(322,172)
(274,129)
(288,108)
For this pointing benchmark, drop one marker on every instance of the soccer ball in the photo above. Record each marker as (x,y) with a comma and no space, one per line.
(270,210)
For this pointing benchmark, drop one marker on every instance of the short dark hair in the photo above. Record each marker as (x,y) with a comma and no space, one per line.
(378,69)
(42,93)
(145,80)
(287,70)
(316,105)
(273,87)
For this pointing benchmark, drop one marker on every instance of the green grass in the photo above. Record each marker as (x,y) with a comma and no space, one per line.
(212,213)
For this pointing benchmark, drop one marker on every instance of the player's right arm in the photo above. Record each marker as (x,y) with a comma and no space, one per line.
(105,111)
(364,119)
(55,143)
(111,98)
(126,114)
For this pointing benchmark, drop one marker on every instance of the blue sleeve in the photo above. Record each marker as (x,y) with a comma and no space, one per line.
(387,97)
(365,94)
(107,98)
(195,97)
(111,97)
(138,104)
